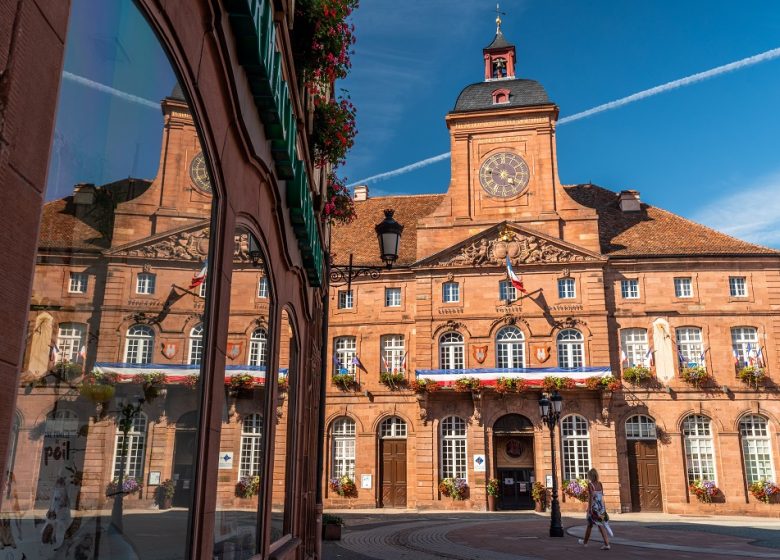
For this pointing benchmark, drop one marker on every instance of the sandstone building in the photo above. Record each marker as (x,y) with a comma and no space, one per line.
(612,283)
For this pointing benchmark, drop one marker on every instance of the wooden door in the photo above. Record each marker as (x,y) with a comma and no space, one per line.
(183,467)
(644,475)
(393,475)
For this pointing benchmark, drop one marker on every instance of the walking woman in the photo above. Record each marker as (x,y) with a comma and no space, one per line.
(597,511)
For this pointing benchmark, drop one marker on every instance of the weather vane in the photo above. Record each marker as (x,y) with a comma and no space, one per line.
(499,13)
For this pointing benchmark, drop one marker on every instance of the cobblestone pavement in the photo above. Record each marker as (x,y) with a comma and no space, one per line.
(523,536)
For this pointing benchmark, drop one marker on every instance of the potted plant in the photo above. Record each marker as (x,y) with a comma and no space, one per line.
(393,380)
(247,486)
(752,375)
(695,375)
(637,374)
(555,383)
(190,381)
(164,494)
(455,488)
(345,381)
(344,486)
(98,387)
(539,496)
(704,490)
(67,371)
(576,488)
(240,383)
(492,493)
(152,384)
(764,490)
(423,385)
(464,384)
(331,527)
(505,385)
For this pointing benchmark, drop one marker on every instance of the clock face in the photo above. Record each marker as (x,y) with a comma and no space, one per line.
(504,175)
(199,174)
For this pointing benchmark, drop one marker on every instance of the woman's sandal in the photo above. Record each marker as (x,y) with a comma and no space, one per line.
(606,547)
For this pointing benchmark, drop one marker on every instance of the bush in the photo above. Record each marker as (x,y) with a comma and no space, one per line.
(637,374)
(492,487)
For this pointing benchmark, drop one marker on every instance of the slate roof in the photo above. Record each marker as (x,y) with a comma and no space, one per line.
(177,93)
(499,42)
(522,93)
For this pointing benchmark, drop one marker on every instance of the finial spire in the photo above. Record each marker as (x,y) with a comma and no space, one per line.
(499,13)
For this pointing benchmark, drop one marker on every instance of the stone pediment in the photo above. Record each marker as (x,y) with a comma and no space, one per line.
(188,243)
(523,246)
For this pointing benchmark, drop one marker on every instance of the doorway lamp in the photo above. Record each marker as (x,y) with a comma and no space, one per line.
(388,233)
(550,411)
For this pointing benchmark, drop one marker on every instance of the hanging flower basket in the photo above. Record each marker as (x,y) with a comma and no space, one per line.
(765,490)
(345,381)
(129,486)
(695,375)
(240,383)
(555,383)
(424,385)
(704,490)
(334,131)
(247,486)
(455,488)
(393,380)
(152,384)
(343,486)
(752,375)
(98,387)
(576,488)
(339,207)
(637,374)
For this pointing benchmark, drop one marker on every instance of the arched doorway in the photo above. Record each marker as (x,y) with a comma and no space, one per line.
(643,471)
(392,469)
(184,458)
(513,445)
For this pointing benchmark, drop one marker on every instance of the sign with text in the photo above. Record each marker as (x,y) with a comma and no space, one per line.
(225,460)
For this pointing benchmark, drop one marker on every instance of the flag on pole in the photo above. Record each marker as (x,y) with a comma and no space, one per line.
(54,353)
(200,276)
(357,363)
(336,362)
(403,362)
(83,353)
(680,357)
(649,360)
(623,357)
(701,356)
(514,278)
(750,355)
(384,362)
(760,357)
(736,356)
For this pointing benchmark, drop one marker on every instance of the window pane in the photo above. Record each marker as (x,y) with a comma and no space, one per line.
(109,411)
(699,452)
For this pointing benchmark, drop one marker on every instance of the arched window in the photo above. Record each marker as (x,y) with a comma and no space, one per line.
(571,349)
(451,351)
(258,344)
(70,339)
(756,448)
(634,345)
(139,344)
(689,345)
(499,67)
(343,451)
(510,348)
(392,427)
(251,461)
(576,447)
(135,449)
(744,341)
(640,426)
(344,352)
(393,353)
(196,345)
(699,452)
(453,447)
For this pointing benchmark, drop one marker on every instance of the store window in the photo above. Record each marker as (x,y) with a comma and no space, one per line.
(343,448)
(451,351)
(699,451)
(571,349)
(510,348)
(756,448)
(453,447)
(576,447)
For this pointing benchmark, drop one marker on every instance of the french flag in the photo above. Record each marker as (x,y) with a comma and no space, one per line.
(514,278)
(200,276)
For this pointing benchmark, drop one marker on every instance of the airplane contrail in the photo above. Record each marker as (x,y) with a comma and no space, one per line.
(682,82)
(112,91)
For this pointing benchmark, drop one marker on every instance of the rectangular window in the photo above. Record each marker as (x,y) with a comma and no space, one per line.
(506,291)
(450,292)
(566,288)
(393,353)
(629,289)
(344,456)
(345,299)
(683,287)
(737,286)
(453,458)
(134,450)
(202,290)
(78,283)
(344,351)
(635,347)
(392,297)
(144,283)
(262,288)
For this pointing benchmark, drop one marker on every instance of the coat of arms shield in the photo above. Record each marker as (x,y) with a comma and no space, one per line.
(234,349)
(542,353)
(479,353)
(169,349)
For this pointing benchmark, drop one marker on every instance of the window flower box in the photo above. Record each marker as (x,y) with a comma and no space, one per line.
(765,491)
(576,488)
(695,375)
(605,383)
(394,380)
(704,490)
(554,383)
(455,488)
(752,375)
(247,486)
(345,381)
(505,385)
(423,385)
(344,486)
(637,374)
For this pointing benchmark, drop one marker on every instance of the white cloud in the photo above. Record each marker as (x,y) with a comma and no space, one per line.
(751,213)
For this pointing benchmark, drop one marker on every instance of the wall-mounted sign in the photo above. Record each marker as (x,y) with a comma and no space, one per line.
(479,463)
(365,481)
(154,478)
(548,481)
(225,460)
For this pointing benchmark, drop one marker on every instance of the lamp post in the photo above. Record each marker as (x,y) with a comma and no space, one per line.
(550,411)
(388,233)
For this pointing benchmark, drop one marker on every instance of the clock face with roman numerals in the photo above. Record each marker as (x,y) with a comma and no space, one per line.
(504,175)
(199,173)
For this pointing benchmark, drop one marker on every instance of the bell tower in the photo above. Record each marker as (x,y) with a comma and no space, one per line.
(499,55)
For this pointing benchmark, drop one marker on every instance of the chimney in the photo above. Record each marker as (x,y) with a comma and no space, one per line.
(84,194)
(629,201)
(361,193)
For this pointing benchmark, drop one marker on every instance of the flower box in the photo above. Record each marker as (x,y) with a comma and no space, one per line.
(455,488)
(345,381)
(464,384)
(506,385)
(423,385)
(704,490)
(394,380)
(752,375)
(576,488)
(247,486)
(554,383)
(765,491)
(637,374)
(344,486)
(695,375)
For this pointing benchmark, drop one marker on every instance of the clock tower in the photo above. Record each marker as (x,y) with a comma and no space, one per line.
(503,162)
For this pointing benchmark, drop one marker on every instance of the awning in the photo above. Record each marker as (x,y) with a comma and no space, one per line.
(533,376)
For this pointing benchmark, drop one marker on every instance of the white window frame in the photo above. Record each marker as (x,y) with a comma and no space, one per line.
(262,287)
(683,287)
(393,348)
(78,283)
(571,348)
(629,288)
(196,345)
(575,444)
(690,343)
(346,299)
(507,291)
(70,339)
(741,337)
(641,426)
(250,462)
(343,447)
(140,341)
(202,289)
(635,345)
(345,347)
(699,448)
(567,288)
(145,283)
(392,297)
(258,347)
(450,292)
(453,448)
(136,449)
(510,348)
(738,286)
(451,354)
(61,423)
(756,448)
(393,428)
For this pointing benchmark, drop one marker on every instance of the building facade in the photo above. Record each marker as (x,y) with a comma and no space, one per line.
(656,331)
(165,364)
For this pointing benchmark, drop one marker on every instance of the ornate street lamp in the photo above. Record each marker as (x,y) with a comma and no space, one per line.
(550,411)
(388,232)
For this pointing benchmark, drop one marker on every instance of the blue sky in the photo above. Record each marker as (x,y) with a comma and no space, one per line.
(708,151)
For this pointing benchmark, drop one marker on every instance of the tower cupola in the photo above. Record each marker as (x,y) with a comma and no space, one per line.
(499,55)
